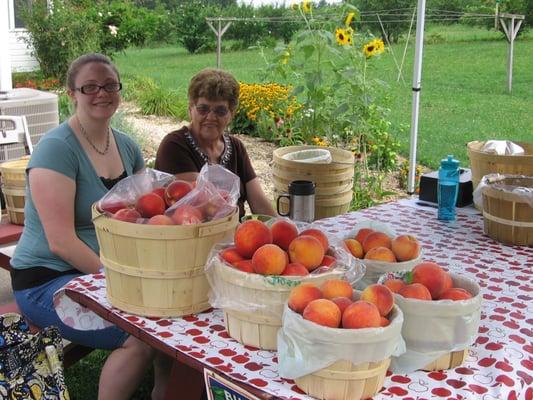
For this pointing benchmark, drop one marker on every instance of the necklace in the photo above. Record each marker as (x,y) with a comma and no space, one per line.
(86,136)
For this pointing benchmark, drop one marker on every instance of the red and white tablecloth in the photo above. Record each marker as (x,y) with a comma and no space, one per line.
(499,364)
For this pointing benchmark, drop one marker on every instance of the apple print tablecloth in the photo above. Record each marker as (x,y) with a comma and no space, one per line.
(499,364)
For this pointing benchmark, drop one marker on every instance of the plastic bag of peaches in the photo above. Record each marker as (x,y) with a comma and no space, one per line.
(256,271)
(381,250)
(441,311)
(157,198)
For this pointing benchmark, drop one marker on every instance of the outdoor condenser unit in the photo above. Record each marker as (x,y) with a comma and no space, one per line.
(40,109)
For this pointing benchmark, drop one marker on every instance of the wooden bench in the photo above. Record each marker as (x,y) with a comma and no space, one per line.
(8,234)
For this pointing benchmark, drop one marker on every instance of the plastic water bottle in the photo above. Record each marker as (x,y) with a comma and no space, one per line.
(448,188)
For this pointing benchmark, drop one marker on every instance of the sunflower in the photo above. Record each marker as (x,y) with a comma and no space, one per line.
(343,37)
(373,48)
(306,6)
(348,19)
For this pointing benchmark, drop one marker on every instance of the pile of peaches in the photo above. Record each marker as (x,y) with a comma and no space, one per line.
(156,207)
(332,305)
(427,281)
(370,244)
(277,250)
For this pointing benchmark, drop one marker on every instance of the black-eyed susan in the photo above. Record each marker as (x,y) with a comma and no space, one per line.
(374,48)
(343,37)
(306,6)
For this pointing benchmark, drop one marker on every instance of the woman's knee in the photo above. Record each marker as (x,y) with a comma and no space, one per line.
(141,349)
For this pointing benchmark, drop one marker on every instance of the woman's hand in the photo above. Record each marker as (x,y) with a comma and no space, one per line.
(53,195)
(259,203)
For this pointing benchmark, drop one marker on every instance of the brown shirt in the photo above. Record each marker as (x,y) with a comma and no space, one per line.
(179,152)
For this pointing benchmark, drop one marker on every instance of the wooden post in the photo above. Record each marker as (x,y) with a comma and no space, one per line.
(219,31)
(511,30)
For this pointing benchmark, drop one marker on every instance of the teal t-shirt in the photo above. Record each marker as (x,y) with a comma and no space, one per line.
(59,150)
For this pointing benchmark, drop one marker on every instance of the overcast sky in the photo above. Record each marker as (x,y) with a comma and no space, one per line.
(280,2)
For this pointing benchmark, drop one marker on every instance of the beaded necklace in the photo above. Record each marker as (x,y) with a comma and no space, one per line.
(87,137)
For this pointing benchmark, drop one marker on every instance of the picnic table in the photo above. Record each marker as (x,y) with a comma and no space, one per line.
(499,364)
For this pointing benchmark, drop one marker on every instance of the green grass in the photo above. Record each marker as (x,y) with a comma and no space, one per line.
(464,86)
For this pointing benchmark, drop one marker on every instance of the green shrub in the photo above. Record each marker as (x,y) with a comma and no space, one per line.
(66,108)
(192,31)
(159,101)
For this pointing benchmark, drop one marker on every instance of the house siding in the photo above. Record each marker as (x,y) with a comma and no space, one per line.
(21,58)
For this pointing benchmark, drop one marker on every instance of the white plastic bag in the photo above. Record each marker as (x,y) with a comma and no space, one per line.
(305,347)
(502,148)
(432,329)
(313,156)
(525,193)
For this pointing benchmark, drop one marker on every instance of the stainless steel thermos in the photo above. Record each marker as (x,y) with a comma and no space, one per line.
(301,198)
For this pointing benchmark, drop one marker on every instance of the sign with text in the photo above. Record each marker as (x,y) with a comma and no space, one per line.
(219,388)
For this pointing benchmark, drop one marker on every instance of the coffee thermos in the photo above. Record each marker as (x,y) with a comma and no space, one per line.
(301,198)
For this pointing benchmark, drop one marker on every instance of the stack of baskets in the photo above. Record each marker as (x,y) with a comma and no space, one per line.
(14,188)
(508,215)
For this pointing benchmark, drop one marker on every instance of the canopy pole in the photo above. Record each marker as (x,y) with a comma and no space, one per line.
(417,78)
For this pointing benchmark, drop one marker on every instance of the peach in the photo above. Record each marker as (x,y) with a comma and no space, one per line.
(160,192)
(381,296)
(306,250)
(187,215)
(384,322)
(244,266)
(250,235)
(336,288)
(415,291)
(455,294)
(302,295)
(328,261)
(231,255)
(323,312)
(362,234)
(150,204)
(283,233)
(376,239)
(431,276)
(295,269)
(322,238)
(355,248)
(127,215)
(361,314)
(405,247)
(448,282)
(269,259)
(380,254)
(342,302)
(160,220)
(112,206)
(394,284)
(176,190)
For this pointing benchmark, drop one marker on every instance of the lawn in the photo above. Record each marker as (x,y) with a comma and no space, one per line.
(464,86)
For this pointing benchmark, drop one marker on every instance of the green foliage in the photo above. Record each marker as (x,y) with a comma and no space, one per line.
(160,101)
(394,23)
(59,36)
(329,74)
(66,108)
(192,31)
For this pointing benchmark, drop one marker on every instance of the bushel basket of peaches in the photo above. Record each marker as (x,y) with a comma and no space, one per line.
(337,343)
(251,277)
(155,233)
(381,250)
(441,311)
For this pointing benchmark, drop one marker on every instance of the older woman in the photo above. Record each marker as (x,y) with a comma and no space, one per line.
(213,99)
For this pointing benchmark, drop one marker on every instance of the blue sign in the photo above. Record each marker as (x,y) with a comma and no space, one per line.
(219,388)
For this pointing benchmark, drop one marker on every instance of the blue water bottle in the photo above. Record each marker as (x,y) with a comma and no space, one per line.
(448,188)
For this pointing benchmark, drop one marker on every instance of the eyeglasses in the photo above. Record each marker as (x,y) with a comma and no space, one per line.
(93,88)
(204,110)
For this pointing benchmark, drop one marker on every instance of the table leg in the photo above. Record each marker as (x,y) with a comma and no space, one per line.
(184,383)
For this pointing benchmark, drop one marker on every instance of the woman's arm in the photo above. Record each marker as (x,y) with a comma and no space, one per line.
(53,195)
(259,203)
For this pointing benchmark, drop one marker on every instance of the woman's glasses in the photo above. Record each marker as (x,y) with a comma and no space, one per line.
(92,88)
(204,110)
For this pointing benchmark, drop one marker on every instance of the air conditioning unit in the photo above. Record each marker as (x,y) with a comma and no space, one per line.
(40,109)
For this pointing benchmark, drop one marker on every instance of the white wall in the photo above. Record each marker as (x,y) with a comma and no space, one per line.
(21,58)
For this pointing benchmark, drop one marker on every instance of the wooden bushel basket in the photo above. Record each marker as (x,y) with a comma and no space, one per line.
(508,217)
(14,188)
(344,380)
(486,163)
(156,270)
(334,181)
(259,328)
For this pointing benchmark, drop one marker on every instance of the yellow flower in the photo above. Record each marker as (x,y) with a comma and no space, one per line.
(306,6)
(343,37)
(374,48)
(348,19)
